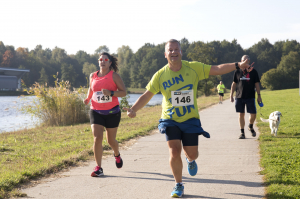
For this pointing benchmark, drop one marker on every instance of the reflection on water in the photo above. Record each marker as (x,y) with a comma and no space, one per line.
(12,118)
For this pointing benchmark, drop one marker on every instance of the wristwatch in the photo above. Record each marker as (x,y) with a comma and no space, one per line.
(237,65)
(112,93)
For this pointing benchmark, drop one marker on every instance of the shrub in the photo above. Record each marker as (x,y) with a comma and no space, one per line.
(59,105)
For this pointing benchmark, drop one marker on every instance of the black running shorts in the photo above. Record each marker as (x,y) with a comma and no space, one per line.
(249,103)
(188,139)
(108,121)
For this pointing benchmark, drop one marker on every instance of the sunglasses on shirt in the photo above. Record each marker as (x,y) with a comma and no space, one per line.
(103,59)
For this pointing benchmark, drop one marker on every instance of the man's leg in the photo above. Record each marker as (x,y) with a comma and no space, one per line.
(242,125)
(175,159)
(240,108)
(251,108)
(242,120)
(251,122)
(252,118)
(191,152)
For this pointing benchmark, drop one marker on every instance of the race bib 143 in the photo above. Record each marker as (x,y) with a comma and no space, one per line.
(100,98)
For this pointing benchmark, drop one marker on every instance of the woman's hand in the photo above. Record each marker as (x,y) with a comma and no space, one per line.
(106,92)
(86,101)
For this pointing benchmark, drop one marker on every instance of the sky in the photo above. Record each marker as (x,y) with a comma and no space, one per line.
(75,25)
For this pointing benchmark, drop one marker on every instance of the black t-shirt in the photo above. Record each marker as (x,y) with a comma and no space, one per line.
(245,87)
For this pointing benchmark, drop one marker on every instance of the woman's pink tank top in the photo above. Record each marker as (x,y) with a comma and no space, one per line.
(99,83)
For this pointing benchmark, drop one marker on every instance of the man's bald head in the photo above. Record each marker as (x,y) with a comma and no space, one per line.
(246,57)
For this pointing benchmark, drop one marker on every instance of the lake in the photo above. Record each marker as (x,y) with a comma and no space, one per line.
(12,118)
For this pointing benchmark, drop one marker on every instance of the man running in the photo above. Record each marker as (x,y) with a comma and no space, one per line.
(178,81)
(221,88)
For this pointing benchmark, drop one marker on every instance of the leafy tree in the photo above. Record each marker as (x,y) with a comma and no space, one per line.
(44,77)
(102,49)
(184,43)
(286,75)
(289,46)
(59,55)
(88,68)
(68,73)
(203,52)
(2,50)
(82,57)
(264,56)
(7,59)
(124,56)
(11,48)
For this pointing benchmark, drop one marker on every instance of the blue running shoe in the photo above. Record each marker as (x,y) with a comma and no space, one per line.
(177,191)
(192,167)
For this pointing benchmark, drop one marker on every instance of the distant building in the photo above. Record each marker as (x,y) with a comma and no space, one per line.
(10,78)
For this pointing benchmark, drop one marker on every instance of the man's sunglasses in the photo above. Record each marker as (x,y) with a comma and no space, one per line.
(103,59)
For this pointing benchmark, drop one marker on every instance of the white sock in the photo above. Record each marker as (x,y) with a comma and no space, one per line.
(179,183)
(190,161)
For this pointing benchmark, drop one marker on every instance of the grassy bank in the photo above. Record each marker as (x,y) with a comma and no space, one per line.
(13,93)
(280,156)
(28,154)
(136,90)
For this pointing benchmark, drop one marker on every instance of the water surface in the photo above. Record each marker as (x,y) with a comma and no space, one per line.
(12,118)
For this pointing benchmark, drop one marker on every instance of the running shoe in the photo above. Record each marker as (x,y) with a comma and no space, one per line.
(252,131)
(97,172)
(242,136)
(192,167)
(177,191)
(119,161)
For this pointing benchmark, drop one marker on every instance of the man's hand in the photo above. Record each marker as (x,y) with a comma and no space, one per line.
(130,112)
(86,101)
(259,99)
(231,98)
(244,65)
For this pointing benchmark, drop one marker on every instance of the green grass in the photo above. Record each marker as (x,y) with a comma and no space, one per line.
(280,156)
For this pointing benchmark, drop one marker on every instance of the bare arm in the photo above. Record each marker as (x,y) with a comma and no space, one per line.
(140,103)
(89,93)
(233,87)
(258,92)
(226,68)
(121,92)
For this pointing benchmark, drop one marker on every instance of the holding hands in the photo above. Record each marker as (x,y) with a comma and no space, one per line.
(130,112)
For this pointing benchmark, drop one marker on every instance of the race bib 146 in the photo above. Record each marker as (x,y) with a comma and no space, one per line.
(182,98)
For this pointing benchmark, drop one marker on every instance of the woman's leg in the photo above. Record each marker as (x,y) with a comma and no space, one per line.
(97,131)
(111,134)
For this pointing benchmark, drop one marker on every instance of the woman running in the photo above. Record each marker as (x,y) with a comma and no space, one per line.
(105,88)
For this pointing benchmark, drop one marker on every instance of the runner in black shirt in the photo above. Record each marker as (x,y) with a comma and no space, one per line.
(245,82)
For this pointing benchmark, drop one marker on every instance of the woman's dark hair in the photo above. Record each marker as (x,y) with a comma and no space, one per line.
(113,59)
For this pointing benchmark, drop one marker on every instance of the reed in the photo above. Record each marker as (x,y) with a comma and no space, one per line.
(58,105)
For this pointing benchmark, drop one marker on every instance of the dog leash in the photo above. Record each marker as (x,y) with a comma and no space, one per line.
(261,113)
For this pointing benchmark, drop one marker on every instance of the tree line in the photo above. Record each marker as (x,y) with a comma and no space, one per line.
(278,65)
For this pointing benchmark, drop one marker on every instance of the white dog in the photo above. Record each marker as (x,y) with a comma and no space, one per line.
(274,120)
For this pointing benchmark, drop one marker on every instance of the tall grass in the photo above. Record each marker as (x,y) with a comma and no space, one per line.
(59,105)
